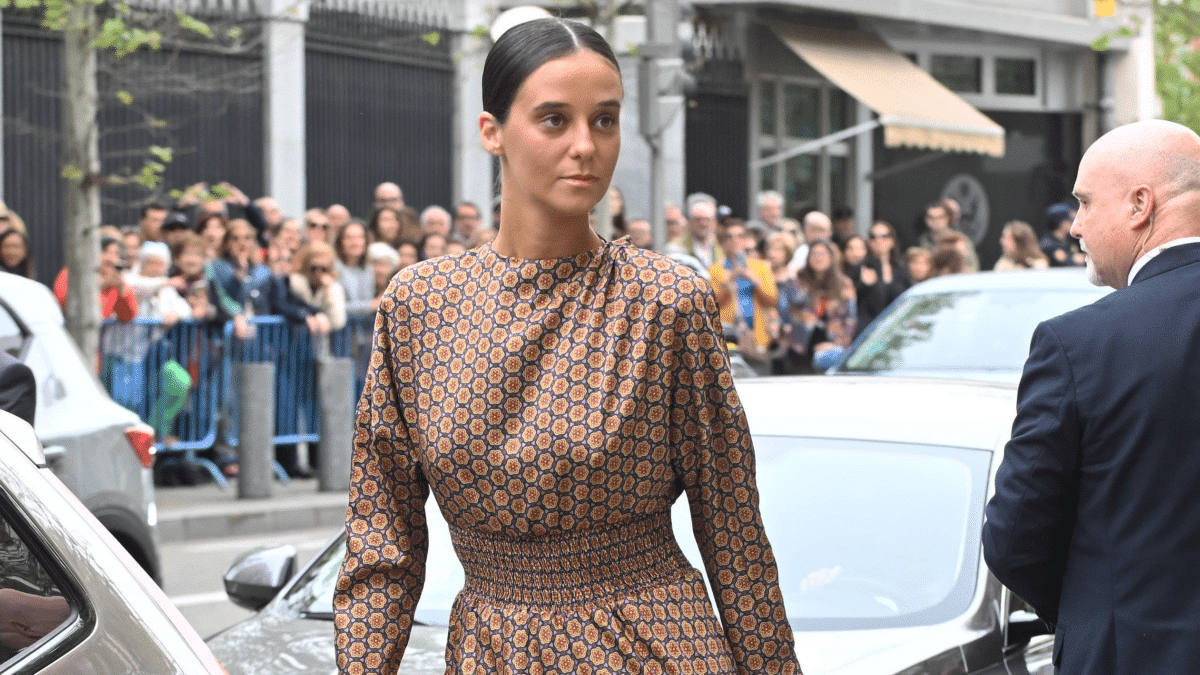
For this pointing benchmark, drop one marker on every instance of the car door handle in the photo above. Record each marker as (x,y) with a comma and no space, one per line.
(54,453)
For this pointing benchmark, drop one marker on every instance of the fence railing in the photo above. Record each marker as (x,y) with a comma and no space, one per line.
(181,378)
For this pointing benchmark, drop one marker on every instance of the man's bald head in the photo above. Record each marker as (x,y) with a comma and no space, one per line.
(817,227)
(1138,188)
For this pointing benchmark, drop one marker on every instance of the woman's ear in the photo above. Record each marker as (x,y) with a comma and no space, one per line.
(490,134)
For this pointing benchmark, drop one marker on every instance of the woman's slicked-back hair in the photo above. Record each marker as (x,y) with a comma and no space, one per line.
(523,49)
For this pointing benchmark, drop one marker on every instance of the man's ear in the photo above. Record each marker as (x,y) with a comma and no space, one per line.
(1141,207)
(490,134)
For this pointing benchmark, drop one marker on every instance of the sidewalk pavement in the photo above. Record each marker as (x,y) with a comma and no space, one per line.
(187,513)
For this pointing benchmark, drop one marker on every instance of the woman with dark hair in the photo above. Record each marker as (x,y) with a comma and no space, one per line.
(212,227)
(829,310)
(238,281)
(881,277)
(15,257)
(353,270)
(555,568)
(385,226)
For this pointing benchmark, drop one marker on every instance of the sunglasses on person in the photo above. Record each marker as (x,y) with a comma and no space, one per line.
(320,269)
(880,235)
(314,226)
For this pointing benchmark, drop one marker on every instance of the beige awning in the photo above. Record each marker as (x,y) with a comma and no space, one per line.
(914,109)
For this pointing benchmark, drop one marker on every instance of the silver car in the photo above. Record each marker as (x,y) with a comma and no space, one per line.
(967,326)
(100,450)
(72,600)
(872,491)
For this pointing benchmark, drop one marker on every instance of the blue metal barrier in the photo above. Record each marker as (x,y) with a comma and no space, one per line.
(355,342)
(291,349)
(172,378)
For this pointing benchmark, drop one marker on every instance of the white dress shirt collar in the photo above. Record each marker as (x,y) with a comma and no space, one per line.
(1150,255)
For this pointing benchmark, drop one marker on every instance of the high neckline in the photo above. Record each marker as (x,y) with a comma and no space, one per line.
(585,259)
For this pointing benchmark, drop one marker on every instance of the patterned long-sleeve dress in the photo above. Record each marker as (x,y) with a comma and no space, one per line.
(556,409)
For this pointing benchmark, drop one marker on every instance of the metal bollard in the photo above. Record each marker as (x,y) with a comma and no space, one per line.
(335,377)
(256,429)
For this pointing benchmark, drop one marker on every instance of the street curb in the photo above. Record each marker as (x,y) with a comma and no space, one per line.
(252,516)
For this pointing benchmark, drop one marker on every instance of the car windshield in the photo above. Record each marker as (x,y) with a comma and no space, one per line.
(867,535)
(961,330)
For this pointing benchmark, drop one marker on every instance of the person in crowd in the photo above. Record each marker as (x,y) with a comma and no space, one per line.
(435,220)
(1059,247)
(551,116)
(952,240)
(639,233)
(151,221)
(1019,248)
(455,247)
(352,268)
(201,200)
(616,213)
(919,263)
(117,299)
(388,195)
(173,229)
(758,239)
(317,227)
(830,310)
(817,227)
(947,260)
(790,337)
(432,246)
(409,254)
(211,229)
(385,261)
(843,223)
(746,294)
(271,212)
(190,279)
(1094,520)
(467,221)
(854,252)
(674,221)
(940,219)
(699,240)
(769,204)
(283,302)
(287,233)
(881,277)
(157,297)
(15,256)
(315,283)
(484,235)
(339,217)
(131,237)
(238,279)
(384,226)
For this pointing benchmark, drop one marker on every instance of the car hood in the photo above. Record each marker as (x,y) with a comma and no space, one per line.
(998,376)
(276,644)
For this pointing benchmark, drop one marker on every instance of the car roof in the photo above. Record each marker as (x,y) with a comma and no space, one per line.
(22,435)
(32,301)
(1073,278)
(953,413)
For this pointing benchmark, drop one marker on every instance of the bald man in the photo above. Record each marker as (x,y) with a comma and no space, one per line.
(1095,520)
(390,195)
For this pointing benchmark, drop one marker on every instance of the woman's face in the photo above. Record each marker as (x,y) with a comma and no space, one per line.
(1007,244)
(408,255)
(354,241)
(919,268)
(856,250)
(434,246)
(383,271)
(318,266)
(819,259)
(13,251)
(560,143)
(190,262)
(777,254)
(243,241)
(388,225)
(880,241)
(213,232)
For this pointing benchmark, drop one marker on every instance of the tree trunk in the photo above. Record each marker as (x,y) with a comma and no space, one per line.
(82,176)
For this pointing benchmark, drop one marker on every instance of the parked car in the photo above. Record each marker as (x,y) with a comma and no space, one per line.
(100,450)
(967,326)
(872,491)
(72,600)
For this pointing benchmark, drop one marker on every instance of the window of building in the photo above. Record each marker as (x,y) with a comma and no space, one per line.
(962,74)
(794,111)
(1016,76)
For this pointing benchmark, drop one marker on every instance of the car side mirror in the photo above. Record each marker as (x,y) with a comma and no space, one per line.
(1024,626)
(259,574)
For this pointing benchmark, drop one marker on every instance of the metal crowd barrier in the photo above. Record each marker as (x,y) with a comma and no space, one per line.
(181,379)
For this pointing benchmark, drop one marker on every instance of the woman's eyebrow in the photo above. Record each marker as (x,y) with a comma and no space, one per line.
(556,105)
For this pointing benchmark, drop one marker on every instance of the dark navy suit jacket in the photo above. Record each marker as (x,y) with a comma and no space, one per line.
(18,388)
(1096,516)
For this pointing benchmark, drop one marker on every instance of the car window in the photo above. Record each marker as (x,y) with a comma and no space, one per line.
(871,535)
(33,608)
(962,330)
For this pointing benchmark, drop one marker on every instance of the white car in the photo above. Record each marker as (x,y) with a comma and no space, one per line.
(72,600)
(872,491)
(100,450)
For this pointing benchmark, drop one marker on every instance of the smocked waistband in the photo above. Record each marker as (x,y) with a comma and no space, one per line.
(569,568)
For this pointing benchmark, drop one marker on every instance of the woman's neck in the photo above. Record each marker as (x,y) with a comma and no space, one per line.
(527,236)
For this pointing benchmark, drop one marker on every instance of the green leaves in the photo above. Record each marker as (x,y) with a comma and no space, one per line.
(193,24)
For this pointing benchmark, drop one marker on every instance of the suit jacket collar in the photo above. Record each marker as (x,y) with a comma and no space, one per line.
(1169,259)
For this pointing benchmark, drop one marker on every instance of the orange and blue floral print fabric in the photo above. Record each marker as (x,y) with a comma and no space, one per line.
(556,409)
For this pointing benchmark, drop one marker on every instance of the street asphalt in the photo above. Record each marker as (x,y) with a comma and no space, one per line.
(206,511)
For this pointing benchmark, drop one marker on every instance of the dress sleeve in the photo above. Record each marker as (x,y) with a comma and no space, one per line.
(714,460)
(386,535)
